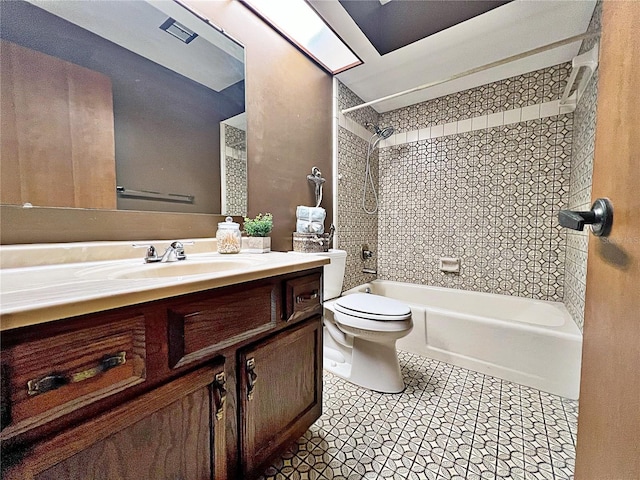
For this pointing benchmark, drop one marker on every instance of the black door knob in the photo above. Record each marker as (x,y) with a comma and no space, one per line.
(576,220)
(600,217)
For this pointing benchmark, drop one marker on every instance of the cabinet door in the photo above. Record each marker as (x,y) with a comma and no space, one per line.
(169,433)
(280,392)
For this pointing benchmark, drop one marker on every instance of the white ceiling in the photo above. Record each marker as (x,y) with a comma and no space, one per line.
(508,30)
(211,59)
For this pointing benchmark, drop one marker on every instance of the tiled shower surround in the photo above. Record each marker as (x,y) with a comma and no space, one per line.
(479,175)
(354,226)
(488,195)
(584,129)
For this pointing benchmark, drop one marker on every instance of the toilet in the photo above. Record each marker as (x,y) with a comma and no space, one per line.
(360,332)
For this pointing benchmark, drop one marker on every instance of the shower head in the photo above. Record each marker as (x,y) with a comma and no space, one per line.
(386,132)
(382,133)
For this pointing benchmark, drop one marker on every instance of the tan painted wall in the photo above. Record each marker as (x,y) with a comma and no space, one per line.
(289,119)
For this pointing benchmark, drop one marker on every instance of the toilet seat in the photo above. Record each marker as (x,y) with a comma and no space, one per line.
(373,307)
(373,313)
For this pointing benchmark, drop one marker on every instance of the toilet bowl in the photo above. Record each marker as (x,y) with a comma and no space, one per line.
(360,332)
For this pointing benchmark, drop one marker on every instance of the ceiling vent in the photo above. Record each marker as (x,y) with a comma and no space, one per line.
(179,31)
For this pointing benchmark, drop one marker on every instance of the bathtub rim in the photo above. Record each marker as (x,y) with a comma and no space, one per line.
(569,329)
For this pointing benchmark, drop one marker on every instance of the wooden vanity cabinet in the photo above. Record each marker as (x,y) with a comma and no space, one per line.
(174,432)
(280,393)
(210,385)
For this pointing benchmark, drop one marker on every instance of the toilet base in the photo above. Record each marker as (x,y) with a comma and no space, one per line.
(363,357)
(371,365)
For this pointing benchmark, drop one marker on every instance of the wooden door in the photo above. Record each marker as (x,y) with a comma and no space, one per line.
(169,433)
(280,393)
(62,155)
(608,445)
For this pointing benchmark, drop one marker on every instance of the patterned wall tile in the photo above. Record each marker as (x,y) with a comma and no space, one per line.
(235,175)
(575,283)
(236,182)
(354,226)
(595,25)
(235,137)
(489,197)
(516,92)
(346,99)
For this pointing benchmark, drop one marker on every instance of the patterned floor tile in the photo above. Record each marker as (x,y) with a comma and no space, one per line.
(449,423)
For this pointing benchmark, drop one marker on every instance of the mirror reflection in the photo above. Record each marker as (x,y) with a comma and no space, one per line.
(233,165)
(134,105)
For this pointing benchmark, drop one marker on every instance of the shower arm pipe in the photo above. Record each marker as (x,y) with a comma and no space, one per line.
(497,63)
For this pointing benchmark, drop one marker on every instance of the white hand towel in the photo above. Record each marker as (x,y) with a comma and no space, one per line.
(311,214)
(302,226)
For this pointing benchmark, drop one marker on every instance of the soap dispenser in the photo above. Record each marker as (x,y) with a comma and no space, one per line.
(228,236)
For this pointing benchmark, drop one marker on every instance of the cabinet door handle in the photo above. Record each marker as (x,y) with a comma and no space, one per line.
(252,377)
(57,380)
(219,394)
(303,297)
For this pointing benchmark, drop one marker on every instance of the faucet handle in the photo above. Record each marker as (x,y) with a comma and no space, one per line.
(178,247)
(365,253)
(152,255)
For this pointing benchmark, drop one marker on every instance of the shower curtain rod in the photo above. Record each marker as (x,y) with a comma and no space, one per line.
(497,63)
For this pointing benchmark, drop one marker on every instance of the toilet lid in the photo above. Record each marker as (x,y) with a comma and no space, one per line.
(372,307)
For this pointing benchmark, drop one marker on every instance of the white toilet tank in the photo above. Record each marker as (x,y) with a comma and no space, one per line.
(333,273)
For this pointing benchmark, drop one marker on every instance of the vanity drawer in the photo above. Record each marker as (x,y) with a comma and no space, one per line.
(201,327)
(53,376)
(303,297)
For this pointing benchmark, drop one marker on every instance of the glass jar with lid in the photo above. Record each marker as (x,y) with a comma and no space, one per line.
(228,236)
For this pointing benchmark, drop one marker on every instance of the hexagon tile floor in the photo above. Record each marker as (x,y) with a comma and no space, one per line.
(449,423)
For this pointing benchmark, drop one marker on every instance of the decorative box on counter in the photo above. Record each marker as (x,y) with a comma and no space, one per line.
(312,242)
(256,244)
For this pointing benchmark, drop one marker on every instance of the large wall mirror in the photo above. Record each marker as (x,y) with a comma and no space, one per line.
(128,105)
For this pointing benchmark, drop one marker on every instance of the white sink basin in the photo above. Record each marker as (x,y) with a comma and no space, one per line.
(181,268)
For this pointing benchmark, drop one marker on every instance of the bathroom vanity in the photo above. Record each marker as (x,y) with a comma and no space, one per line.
(196,376)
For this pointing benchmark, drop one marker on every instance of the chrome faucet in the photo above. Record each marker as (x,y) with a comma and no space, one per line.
(173,253)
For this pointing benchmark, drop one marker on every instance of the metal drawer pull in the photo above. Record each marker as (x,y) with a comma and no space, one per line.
(57,380)
(219,394)
(252,377)
(46,384)
(303,297)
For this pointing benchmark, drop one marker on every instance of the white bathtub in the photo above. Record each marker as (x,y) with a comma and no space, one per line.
(530,342)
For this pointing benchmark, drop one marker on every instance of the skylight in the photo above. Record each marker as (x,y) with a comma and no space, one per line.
(297,21)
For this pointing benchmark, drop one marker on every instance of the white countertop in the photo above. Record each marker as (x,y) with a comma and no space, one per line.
(30,295)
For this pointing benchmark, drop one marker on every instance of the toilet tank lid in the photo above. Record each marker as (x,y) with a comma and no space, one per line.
(373,304)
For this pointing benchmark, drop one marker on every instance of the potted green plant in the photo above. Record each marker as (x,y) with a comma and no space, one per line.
(258,230)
